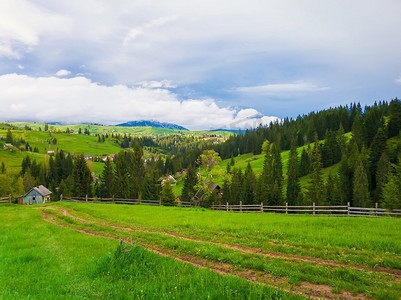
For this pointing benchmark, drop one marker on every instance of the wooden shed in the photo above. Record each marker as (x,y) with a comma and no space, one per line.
(38,194)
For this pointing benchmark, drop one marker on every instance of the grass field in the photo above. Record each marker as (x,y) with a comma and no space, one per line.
(352,258)
(39,260)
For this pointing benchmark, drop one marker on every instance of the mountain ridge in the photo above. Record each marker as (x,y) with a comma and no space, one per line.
(152,123)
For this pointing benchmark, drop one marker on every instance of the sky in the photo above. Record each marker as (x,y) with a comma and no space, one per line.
(201,64)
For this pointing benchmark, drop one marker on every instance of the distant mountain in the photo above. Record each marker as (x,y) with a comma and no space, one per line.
(151,123)
(241,131)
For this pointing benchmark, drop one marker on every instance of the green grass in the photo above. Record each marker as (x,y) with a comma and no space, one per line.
(39,260)
(346,240)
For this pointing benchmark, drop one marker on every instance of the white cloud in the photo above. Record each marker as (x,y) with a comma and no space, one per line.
(137,31)
(398,80)
(282,88)
(62,73)
(157,84)
(21,67)
(22,24)
(78,99)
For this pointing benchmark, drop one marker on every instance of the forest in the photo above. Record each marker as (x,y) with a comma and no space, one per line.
(365,143)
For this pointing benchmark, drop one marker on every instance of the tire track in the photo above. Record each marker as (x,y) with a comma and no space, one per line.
(310,290)
(245,249)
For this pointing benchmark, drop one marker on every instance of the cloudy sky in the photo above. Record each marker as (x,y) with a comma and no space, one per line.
(201,64)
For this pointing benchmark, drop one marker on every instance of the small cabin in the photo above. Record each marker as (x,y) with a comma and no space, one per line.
(38,194)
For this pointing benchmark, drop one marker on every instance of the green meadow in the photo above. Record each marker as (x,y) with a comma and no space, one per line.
(259,256)
(51,262)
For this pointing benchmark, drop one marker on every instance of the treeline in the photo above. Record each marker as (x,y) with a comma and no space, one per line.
(369,168)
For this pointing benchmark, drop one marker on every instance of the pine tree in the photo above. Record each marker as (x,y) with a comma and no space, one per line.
(361,195)
(293,185)
(150,189)
(191,180)
(107,180)
(82,178)
(394,122)
(315,191)
(305,163)
(121,176)
(383,172)
(392,189)
(276,197)
(225,190)
(137,170)
(378,146)
(249,186)
(167,195)
(28,180)
(265,182)
(357,131)
(236,191)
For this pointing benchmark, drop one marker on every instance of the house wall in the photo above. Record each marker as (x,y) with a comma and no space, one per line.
(28,199)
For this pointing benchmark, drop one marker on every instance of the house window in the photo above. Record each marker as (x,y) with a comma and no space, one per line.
(33,199)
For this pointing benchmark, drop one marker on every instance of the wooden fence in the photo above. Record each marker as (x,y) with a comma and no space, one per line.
(314,210)
(121,201)
(334,210)
(7,199)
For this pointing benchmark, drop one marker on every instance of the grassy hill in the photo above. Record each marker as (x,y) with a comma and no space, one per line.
(101,129)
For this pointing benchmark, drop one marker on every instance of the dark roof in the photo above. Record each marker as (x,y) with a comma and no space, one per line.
(40,189)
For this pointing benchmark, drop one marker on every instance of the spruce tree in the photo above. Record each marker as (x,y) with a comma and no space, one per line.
(82,178)
(315,191)
(378,146)
(225,190)
(107,180)
(121,176)
(276,197)
(357,131)
(3,168)
(394,122)
(249,186)
(167,195)
(265,182)
(190,181)
(383,172)
(305,163)
(236,191)
(293,185)
(361,195)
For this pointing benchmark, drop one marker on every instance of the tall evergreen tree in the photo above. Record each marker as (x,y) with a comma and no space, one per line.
(384,170)
(190,181)
(225,190)
(357,131)
(82,178)
(107,180)
(121,176)
(361,195)
(315,191)
(293,185)
(236,190)
(150,188)
(378,146)
(249,185)
(305,163)
(276,195)
(167,195)
(394,122)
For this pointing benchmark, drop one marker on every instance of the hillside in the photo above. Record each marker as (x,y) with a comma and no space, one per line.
(152,123)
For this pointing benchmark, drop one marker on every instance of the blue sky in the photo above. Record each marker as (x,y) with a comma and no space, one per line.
(201,64)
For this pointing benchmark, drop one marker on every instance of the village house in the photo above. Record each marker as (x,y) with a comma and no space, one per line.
(8,145)
(170,179)
(38,194)
(51,152)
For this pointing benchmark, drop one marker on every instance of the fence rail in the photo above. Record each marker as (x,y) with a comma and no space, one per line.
(329,210)
(7,199)
(321,210)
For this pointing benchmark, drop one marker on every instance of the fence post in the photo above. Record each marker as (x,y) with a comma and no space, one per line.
(227,206)
(286,208)
(348,209)
(314,209)
(213,206)
(160,202)
(376,207)
(240,206)
(61,197)
(112,198)
(86,198)
(10,198)
(261,207)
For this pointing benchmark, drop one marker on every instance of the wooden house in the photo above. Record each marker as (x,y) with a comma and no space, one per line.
(38,194)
